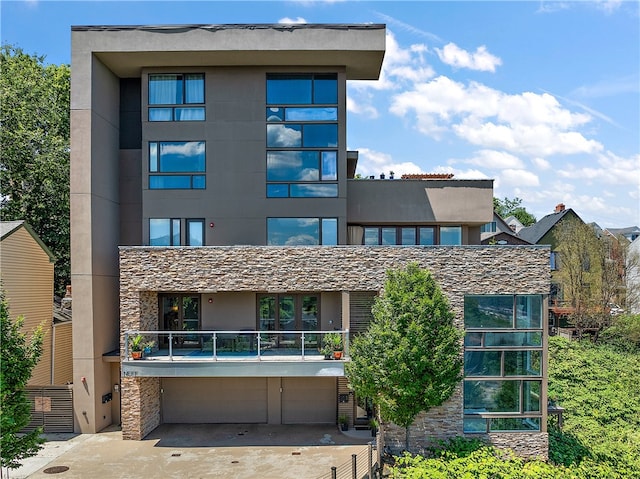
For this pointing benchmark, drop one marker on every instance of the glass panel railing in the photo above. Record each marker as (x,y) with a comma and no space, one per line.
(207,345)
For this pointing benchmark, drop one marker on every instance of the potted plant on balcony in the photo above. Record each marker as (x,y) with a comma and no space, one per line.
(148,347)
(333,345)
(136,344)
(343,420)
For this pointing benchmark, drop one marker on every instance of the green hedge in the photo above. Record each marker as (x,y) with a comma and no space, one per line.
(599,387)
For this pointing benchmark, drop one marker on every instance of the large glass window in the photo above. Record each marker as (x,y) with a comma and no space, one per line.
(302,136)
(302,231)
(167,158)
(176,89)
(302,89)
(164,232)
(503,351)
(450,235)
(412,235)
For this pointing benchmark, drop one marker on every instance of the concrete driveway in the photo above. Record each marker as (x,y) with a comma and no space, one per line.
(202,451)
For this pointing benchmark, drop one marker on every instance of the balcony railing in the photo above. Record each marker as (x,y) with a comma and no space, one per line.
(238,345)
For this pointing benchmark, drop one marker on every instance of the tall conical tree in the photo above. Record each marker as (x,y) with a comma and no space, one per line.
(409,360)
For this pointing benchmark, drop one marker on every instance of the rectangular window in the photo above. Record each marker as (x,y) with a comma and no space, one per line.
(172,157)
(302,231)
(450,235)
(489,227)
(412,235)
(427,235)
(301,137)
(195,232)
(302,89)
(164,232)
(488,311)
(176,156)
(176,89)
(503,353)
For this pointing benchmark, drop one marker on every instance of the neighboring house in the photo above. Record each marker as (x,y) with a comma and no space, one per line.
(26,274)
(514,224)
(542,232)
(215,211)
(498,232)
(631,232)
(633,277)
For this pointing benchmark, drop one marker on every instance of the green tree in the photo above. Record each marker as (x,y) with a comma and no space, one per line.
(507,207)
(590,275)
(19,357)
(34,158)
(409,360)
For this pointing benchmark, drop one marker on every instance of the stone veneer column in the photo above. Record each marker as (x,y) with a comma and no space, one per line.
(140,407)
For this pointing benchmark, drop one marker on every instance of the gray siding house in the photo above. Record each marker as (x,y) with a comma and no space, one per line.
(215,213)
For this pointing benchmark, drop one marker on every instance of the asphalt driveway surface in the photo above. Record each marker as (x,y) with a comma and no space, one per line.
(195,451)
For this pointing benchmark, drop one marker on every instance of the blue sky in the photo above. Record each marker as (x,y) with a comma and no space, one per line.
(543,97)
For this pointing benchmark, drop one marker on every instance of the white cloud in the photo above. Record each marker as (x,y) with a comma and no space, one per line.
(541,163)
(608,6)
(457,57)
(288,20)
(521,178)
(551,7)
(401,66)
(372,162)
(612,170)
(494,160)
(469,174)
(364,109)
(526,123)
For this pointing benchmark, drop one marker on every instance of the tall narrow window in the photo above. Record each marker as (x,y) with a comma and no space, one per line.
(503,354)
(195,232)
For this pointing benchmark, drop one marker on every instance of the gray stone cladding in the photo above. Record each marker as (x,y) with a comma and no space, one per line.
(459,270)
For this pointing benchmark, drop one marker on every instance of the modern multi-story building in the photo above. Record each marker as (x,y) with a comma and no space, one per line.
(215,212)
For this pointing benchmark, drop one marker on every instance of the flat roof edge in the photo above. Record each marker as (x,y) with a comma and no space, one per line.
(232,26)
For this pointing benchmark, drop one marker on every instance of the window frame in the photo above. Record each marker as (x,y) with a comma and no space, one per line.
(527,340)
(196,179)
(183,104)
(278,120)
(322,225)
(434,229)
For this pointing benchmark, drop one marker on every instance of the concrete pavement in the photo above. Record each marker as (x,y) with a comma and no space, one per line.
(200,451)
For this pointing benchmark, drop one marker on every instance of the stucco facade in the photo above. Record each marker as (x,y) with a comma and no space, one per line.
(215,212)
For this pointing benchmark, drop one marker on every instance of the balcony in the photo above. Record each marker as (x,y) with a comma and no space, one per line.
(235,353)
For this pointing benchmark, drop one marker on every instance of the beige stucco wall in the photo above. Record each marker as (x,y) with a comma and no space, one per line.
(26,273)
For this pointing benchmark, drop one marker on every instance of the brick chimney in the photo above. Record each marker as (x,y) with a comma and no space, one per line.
(559,207)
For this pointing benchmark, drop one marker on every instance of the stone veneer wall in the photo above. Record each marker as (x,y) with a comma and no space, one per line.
(440,423)
(459,270)
(140,407)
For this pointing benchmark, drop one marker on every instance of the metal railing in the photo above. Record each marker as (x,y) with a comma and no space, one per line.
(223,344)
(363,465)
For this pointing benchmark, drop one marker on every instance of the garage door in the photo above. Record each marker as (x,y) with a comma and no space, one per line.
(214,400)
(309,400)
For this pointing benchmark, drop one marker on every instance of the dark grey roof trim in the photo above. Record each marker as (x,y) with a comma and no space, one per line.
(237,26)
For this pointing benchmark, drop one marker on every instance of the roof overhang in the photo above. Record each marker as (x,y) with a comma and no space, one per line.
(126,50)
